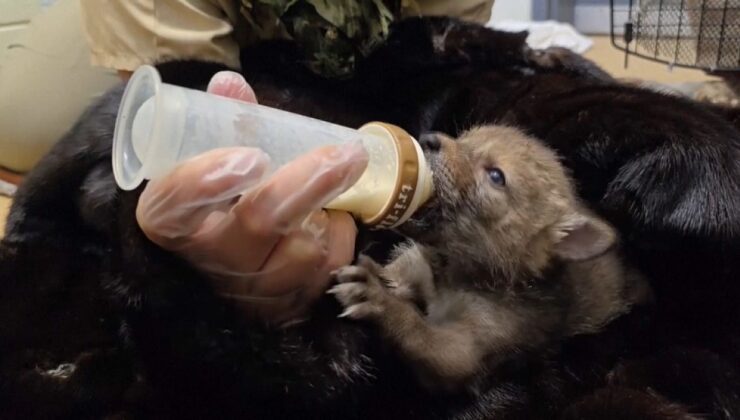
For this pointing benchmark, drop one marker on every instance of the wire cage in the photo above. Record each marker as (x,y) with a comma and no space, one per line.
(703,34)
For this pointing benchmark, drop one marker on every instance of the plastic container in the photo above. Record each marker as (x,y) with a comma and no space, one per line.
(159,125)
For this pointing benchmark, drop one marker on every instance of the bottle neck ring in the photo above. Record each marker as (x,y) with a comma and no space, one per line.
(412,179)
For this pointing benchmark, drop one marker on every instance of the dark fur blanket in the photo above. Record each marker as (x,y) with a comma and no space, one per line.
(95,321)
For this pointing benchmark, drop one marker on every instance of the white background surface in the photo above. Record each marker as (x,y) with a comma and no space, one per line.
(512,10)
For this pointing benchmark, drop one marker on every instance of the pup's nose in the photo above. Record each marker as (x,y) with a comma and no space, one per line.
(430,142)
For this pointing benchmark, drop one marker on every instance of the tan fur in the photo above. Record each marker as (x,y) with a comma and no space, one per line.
(539,195)
(499,270)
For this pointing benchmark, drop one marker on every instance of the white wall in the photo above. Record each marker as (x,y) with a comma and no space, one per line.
(512,9)
(14,17)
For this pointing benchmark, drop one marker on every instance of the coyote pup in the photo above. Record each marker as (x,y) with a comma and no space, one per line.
(503,259)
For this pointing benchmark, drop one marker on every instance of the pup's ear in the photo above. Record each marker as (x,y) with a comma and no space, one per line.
(581,235)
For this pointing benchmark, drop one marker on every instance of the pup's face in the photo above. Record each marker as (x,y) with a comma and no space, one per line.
(503,200)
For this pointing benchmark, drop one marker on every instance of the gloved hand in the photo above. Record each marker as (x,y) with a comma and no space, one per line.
(263,240)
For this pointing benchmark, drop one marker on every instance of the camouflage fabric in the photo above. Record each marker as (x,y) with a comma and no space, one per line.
(333,34)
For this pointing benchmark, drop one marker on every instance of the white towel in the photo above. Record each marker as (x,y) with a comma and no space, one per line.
(7,189)
(548,33)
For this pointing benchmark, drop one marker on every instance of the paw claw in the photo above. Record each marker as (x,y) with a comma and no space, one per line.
(349,294)
(359,311)
(332,290)
(347,312)
(358,289)
(351,274)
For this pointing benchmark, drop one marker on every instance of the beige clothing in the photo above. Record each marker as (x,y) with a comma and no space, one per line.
(124,34)
(46,82)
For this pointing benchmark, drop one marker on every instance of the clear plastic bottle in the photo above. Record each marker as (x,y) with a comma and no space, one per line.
(160,125)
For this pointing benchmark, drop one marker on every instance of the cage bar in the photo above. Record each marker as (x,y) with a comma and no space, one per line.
(703,34)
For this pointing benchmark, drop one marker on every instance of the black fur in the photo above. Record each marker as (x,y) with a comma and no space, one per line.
(81,284)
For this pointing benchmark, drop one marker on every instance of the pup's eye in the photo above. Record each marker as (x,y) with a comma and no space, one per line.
(496,176)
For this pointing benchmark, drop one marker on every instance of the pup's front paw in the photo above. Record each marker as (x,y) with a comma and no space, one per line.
(360,290)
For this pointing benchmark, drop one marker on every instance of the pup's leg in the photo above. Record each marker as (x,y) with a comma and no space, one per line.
(462,335)
(444,356)
(409,276)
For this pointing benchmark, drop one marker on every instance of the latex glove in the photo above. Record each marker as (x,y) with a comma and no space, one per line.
(263,241)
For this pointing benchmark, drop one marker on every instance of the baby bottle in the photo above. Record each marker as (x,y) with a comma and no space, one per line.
(160,125)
